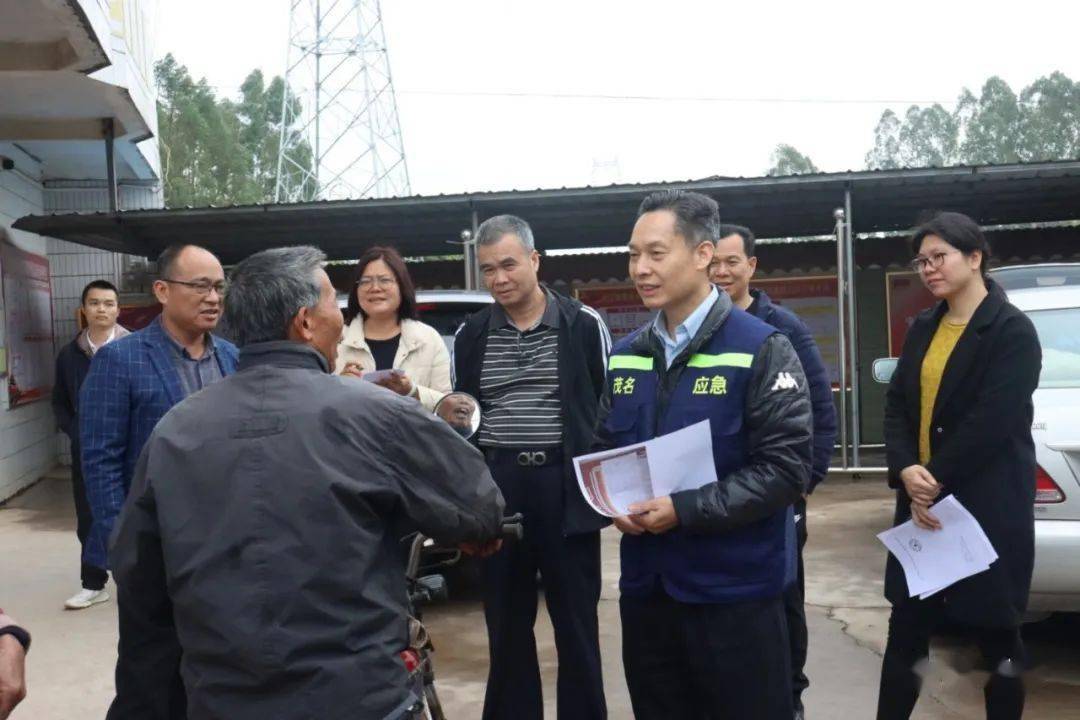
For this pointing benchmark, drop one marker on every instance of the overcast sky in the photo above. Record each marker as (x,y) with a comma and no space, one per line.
(741,79)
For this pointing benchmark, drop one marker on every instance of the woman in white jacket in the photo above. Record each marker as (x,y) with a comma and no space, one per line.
(381,332)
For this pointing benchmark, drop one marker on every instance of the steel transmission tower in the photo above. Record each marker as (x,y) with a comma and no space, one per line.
(340,136)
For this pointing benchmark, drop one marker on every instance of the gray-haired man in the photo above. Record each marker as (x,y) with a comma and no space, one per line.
(537,363)
(259,533)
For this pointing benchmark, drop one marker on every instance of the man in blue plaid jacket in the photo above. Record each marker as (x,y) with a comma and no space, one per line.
(134,381)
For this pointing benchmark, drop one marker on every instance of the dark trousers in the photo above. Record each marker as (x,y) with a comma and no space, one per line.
(93,578)
(570,568)
(795,612)
(910,626)
(708,661)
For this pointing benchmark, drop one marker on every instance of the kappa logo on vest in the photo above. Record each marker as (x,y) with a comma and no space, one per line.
(716,385)
(784,381)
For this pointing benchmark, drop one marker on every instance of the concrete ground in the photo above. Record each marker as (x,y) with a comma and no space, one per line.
(71,664)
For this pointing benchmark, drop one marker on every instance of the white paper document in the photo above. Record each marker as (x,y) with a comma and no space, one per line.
(935,559)
(613,480)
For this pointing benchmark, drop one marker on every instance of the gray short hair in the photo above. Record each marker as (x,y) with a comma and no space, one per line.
(266,291)
(493,229)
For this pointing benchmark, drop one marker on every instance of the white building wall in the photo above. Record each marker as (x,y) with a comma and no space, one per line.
(28,447)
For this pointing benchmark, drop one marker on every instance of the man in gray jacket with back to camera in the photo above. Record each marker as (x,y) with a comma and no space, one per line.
(258,546)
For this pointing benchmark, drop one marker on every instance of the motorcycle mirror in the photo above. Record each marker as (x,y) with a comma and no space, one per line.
(460,411)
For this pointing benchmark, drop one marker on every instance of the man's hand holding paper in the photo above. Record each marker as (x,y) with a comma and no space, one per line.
(634,483)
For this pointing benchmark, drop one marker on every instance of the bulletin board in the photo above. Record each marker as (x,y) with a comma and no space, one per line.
(905,297)
(813,299)
(619,305)
(27,337)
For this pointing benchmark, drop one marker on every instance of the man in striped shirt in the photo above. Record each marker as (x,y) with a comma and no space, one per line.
(536,361)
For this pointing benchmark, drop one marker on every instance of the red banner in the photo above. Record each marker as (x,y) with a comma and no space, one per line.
(28,324)
(136,317)
(619,305)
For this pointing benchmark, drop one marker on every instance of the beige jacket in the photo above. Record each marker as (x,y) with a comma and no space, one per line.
(421,354)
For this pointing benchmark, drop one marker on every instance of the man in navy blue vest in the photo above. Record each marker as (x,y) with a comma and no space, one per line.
(703,571)
(733,265)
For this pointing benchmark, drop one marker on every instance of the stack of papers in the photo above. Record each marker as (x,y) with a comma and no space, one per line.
(613,480)
(935,559)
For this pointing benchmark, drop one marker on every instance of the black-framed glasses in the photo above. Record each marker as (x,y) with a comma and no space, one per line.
(932,261)
(203,287)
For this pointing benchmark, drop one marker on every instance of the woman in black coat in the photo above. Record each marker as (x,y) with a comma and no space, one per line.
(958,419)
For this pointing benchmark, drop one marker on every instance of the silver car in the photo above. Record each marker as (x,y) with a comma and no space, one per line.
(1050,296)
(1055,311)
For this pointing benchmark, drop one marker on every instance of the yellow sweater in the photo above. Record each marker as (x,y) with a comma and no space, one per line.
(933,367)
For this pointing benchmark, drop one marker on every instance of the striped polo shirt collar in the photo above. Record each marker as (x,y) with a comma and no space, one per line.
(550,318)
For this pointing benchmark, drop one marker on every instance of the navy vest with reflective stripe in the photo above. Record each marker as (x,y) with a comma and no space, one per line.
(743,564)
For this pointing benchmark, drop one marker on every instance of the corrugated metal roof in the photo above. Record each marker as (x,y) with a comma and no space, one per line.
(589,217)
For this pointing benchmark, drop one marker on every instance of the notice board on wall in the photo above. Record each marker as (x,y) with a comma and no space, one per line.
(619,305)
(28,324)
(905,297)
(811,298)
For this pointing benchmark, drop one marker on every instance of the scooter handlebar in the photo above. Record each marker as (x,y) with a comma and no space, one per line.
(512,528)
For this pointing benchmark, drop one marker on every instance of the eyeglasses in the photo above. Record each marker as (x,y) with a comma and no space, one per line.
(934,261)
(383,281)
(202,287)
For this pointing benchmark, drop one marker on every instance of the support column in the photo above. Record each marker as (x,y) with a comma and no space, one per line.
(841,341)
(108,129)
(475,255)
(853,329)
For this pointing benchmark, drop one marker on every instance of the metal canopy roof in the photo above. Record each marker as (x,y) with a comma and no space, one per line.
(792,206)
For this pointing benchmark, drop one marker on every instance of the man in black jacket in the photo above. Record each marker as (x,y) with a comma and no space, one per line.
(733,265)
(536,361)
(100,308)
(257,550)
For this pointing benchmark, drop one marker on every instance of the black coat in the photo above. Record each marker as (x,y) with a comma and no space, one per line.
(584,345)
(981,448)
(72,364)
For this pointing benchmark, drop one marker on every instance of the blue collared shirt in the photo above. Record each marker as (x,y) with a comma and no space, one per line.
(685,332)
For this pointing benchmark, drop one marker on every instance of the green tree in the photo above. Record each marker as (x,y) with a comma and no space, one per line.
(929,137)
(1050,119)
(1043,123)
(786,160)
(885,154)
(991,134)
(216,151)
(260,112)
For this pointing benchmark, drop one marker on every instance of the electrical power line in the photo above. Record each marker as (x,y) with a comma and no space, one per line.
(668,98)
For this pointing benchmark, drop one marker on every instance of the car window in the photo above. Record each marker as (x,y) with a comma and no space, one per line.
(1036,276)
(446,317)
(1059,335)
